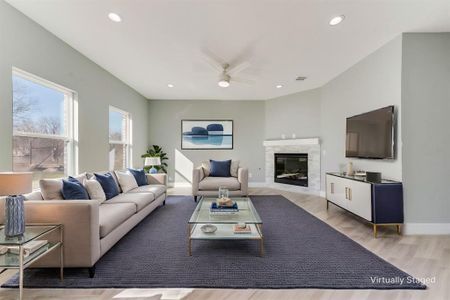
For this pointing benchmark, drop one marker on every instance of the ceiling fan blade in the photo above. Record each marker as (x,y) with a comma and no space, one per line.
(213,60)
(238,68)
(243,80)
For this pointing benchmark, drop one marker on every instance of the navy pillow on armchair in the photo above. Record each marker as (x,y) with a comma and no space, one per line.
(220,168)
(72,189)
(139,175)
(108,184)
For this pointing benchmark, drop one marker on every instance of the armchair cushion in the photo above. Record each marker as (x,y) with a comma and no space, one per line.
(220,168)
(213,183)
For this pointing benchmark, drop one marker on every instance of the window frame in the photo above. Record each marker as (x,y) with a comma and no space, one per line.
(127,141)
(70,136)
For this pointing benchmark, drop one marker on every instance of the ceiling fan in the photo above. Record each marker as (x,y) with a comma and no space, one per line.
(227,71)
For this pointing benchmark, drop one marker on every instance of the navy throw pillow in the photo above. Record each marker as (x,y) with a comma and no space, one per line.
(139,175)
(220,168)
(72,189)
(108,184)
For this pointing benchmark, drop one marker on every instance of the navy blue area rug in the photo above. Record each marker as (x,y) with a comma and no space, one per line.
(301,251)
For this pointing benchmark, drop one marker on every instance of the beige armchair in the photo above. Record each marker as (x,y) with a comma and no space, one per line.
(203,185)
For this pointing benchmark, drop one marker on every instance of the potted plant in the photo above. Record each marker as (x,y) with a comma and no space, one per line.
(156,151)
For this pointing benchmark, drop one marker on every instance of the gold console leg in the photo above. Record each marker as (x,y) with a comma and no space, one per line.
(398,229)
(328,204)
(375,230)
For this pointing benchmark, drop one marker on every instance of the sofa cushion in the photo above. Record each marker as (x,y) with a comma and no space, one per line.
(140,200)
(112,215)
(126,181)
(213,183)
(220,168)
(206,167)
(73,189)
(139,175)
(108,184)
(234,168)
(95,190)
(51,189)
(155,189)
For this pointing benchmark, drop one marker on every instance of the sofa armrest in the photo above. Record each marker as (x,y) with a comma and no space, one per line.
(81,229)
(158,178)
(243,180)
(197,176)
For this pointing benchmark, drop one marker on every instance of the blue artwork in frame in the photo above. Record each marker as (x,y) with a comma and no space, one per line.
(206,134)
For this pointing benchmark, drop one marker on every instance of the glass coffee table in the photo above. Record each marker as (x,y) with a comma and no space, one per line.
(225,222)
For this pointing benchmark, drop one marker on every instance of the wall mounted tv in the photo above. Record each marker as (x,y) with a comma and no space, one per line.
(371,134)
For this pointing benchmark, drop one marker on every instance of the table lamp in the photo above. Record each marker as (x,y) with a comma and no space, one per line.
(13,185)
(152,161)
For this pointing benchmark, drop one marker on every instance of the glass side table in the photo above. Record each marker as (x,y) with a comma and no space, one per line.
(20,261)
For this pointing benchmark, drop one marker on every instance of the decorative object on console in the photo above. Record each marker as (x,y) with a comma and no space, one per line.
(373,177)
(13,185)
(350,171)
(157,151)
(152,161)
(206,134)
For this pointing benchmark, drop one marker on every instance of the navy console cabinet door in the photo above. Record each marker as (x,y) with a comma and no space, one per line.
(387,203)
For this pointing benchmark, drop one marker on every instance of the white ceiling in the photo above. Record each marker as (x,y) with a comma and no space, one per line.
(160,41)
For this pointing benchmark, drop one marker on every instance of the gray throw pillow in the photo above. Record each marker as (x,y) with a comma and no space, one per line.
(95,190)
(51,189)
(234,168)
(206,168)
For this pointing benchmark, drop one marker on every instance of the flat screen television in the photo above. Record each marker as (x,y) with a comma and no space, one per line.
(371,134)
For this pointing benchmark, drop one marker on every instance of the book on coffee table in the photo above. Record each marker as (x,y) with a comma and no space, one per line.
(242,229)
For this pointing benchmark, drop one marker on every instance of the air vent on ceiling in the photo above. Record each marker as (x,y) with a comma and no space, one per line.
(300,78)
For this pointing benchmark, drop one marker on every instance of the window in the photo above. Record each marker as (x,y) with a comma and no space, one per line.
(119,139)
(43,141)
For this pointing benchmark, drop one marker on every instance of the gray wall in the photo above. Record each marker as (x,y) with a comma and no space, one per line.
(426,124)
(297,114)
(165,130)
(372,83)
(28,46)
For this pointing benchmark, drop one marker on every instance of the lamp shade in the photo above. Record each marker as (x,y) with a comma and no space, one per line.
(152,161)
(15,183)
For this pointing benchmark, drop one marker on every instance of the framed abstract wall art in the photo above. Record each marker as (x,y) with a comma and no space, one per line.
(206,134)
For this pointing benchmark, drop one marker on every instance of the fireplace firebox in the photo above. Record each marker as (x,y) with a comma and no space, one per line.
(291,168)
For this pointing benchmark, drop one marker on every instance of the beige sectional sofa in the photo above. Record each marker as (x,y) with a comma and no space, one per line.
(91,228)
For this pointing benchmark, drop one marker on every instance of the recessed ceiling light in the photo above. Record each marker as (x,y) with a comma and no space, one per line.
(279,86)
(336,20)
(170,85)
(114,17)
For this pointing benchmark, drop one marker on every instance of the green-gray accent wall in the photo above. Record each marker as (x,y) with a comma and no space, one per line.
(26,45)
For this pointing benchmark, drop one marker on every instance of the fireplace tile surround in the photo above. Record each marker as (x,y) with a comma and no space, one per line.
(311,146)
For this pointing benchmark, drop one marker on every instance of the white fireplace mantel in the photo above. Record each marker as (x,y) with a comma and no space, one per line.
(292,142)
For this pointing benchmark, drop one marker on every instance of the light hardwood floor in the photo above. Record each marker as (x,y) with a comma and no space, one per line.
(420,256)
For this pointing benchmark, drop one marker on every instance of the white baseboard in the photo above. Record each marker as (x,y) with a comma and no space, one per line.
(257,184)
(426,228)
(323,194)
